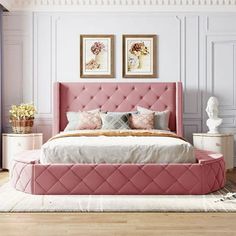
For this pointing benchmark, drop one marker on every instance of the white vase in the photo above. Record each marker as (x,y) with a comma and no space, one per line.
(100,59)
(142,62)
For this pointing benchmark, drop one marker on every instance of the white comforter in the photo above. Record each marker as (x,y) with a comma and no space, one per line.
(128,149)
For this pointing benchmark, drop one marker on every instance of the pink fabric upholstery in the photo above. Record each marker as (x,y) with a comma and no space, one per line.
(206,176)
(117,97)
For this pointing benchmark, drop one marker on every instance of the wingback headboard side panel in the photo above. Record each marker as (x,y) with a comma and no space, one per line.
(117,97)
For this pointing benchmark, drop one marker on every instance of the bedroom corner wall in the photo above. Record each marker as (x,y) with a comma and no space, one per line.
(1,11)
(197,49)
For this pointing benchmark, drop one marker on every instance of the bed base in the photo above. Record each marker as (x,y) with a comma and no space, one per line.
(205,176)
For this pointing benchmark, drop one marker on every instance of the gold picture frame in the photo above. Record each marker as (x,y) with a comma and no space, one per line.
(97,56)
(139,56)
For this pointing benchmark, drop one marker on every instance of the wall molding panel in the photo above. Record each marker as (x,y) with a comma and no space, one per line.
(191,78)
(221,77)
(130,5)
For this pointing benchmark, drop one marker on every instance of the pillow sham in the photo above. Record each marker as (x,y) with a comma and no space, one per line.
(115,120)
(142,121)
(89,120)
(161,118)
(73,119)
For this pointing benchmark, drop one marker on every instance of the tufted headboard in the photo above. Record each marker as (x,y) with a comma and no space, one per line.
(117,97)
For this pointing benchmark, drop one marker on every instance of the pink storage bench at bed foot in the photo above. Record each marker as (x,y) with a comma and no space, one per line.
(205,176)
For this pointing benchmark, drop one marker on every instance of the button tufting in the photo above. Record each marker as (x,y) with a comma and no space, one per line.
(91,97)
(141,97)
(108,97)
(124,97)
(117,88)
(117,106)
(133,88)
(166,88)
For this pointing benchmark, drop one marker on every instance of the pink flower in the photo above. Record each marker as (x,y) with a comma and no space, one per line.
(97,48)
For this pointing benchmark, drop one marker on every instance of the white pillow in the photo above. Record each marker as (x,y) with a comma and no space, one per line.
(161,118)
(73,119)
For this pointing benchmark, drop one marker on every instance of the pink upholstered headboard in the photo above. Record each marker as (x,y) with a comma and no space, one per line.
(117,97)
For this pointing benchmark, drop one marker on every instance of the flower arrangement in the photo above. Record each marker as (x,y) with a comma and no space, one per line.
(22,118)
(97,48)
(22,112)
(139,49)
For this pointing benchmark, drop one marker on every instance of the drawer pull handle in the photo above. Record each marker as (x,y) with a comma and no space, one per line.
(218,144)
(19,144)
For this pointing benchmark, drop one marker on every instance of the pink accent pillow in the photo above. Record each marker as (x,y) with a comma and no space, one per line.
(88,120)
(141,121)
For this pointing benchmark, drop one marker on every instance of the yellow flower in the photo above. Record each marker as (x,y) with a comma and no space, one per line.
(23,111)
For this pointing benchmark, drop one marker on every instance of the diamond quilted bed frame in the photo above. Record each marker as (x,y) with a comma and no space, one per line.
(204,176)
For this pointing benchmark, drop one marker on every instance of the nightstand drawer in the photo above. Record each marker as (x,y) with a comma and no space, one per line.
(220,143)
(15,143)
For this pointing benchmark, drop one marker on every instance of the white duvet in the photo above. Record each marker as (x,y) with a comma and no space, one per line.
(128,149)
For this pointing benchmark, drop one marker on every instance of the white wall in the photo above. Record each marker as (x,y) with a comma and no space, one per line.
(197,49)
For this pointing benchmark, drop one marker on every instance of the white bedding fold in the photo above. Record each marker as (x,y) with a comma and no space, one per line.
(117,149)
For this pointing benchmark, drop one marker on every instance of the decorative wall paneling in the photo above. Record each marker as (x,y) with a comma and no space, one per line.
(196,49)
(17,62)
(122,5)
(1,10)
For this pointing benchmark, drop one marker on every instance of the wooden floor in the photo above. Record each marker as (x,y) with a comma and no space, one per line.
(117,224)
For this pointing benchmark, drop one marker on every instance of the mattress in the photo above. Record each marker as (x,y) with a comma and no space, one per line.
(117,147)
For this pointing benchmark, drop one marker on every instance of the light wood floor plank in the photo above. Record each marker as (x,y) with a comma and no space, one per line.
(117,224)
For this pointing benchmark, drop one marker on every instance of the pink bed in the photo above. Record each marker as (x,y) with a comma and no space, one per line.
(205,176)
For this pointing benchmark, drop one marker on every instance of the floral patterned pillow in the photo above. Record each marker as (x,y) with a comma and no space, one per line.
(88,120)
(161,118)
(73,119)
(142,121)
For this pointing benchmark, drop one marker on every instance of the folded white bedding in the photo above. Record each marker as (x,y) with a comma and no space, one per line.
(117,149)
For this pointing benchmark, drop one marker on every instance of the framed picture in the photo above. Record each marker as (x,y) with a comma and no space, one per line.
(139,56)
(97,56)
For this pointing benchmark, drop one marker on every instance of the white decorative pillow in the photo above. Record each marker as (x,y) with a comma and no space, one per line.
(73,119)
(161,118)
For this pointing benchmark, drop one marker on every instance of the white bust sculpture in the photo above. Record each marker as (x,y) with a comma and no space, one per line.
(212,111)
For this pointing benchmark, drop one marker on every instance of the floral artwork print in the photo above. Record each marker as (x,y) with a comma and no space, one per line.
(94,63)
(139,53)
(96,56)
(139,50)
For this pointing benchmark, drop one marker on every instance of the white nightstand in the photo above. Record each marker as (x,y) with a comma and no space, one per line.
(221,143)
(15,143)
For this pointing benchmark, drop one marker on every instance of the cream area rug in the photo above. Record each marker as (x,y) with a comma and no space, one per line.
(15,201)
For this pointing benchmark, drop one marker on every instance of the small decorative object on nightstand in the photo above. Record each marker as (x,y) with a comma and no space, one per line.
(212,111)
(15,143)
(220,143)
(22,118)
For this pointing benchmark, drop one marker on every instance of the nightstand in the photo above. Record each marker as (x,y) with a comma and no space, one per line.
(15,143)
(220,143)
